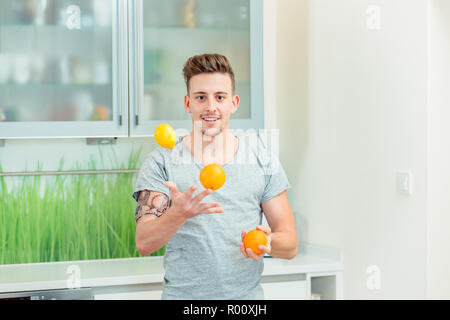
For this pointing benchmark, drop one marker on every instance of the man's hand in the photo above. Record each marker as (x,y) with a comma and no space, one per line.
(189,207)
(265,249)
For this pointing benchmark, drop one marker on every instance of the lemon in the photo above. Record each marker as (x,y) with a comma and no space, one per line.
(165,136)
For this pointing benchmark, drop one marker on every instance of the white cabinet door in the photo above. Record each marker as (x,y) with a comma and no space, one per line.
(161,40)
(79,87)
(284,287)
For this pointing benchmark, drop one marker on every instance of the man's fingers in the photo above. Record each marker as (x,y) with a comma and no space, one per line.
(253,255)
(213,210)
(198,198)
(269,240)
(172,187)
(241,245)
(265,229)
(209,205)
(264,249)
(190,191)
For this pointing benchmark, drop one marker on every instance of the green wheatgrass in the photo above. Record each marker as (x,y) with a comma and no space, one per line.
(70,217)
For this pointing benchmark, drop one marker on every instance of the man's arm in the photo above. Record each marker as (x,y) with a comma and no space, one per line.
(281,220)
(158,218)
(155,222)
(281,235)
(151,204)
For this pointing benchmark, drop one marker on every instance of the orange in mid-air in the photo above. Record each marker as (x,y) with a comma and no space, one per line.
(212,176)
(253,239)
(165,136)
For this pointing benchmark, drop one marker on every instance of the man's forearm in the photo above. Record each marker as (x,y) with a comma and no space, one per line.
(283,245)
(153,234)
(158,218)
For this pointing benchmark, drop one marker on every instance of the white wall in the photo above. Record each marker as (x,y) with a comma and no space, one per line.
(351,108)
(438,272)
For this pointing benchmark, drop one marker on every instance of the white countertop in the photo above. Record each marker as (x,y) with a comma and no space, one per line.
(116,272)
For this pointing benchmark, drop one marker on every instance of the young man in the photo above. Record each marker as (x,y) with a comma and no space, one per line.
(205,257)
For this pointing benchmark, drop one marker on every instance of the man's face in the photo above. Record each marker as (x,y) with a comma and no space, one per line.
(211,102)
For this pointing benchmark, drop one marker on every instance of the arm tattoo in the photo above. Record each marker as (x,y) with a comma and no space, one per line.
(151,203)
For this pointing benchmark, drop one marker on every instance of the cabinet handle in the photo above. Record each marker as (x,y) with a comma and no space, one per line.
(138,13)
(123,41)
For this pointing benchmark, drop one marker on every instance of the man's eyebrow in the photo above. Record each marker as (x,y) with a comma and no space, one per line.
(202,92)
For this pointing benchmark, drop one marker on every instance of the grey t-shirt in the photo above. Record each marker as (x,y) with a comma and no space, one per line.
(203,259)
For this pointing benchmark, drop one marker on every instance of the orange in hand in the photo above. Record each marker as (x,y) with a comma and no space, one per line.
(253,239)
(212,176)
(165,136)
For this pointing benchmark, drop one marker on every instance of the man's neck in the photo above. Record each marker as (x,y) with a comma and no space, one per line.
(218,149)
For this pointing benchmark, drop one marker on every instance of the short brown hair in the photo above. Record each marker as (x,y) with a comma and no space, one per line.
(207,63)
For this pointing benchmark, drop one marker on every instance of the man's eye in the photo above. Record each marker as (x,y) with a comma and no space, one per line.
(220,97)
(200,97)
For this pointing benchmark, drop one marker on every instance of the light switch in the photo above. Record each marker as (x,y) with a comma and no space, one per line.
(373,17)
(404,186)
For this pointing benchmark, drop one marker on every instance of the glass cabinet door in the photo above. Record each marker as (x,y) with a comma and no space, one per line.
(63,68)
(164,34)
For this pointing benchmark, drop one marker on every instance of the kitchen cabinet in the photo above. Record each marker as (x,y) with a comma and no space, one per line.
(110,68)
(276,287)
(163,34)
(150,292)
(315,270)
(63,68)
(285,287)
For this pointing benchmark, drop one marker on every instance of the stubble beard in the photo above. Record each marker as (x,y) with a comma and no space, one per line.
(212,132)
(208,132)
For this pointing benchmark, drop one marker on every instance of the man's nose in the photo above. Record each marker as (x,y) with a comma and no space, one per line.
(211,106)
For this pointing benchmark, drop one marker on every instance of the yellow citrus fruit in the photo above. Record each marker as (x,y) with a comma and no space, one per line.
(165,136)
(253,239)
(212,176)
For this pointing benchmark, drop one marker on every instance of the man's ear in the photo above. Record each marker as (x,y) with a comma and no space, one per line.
(186,104)
(235,103)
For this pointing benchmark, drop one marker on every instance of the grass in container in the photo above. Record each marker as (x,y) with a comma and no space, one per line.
(69,217)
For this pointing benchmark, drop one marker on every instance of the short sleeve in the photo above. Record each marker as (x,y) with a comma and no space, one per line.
(276,180)
(152,175)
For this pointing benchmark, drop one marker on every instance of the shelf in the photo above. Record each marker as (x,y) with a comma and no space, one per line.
(324,286)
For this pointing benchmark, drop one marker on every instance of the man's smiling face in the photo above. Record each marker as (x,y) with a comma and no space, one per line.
(211,102)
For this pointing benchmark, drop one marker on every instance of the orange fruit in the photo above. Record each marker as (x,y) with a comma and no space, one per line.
(165,136)
(212,176)
(253,239)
